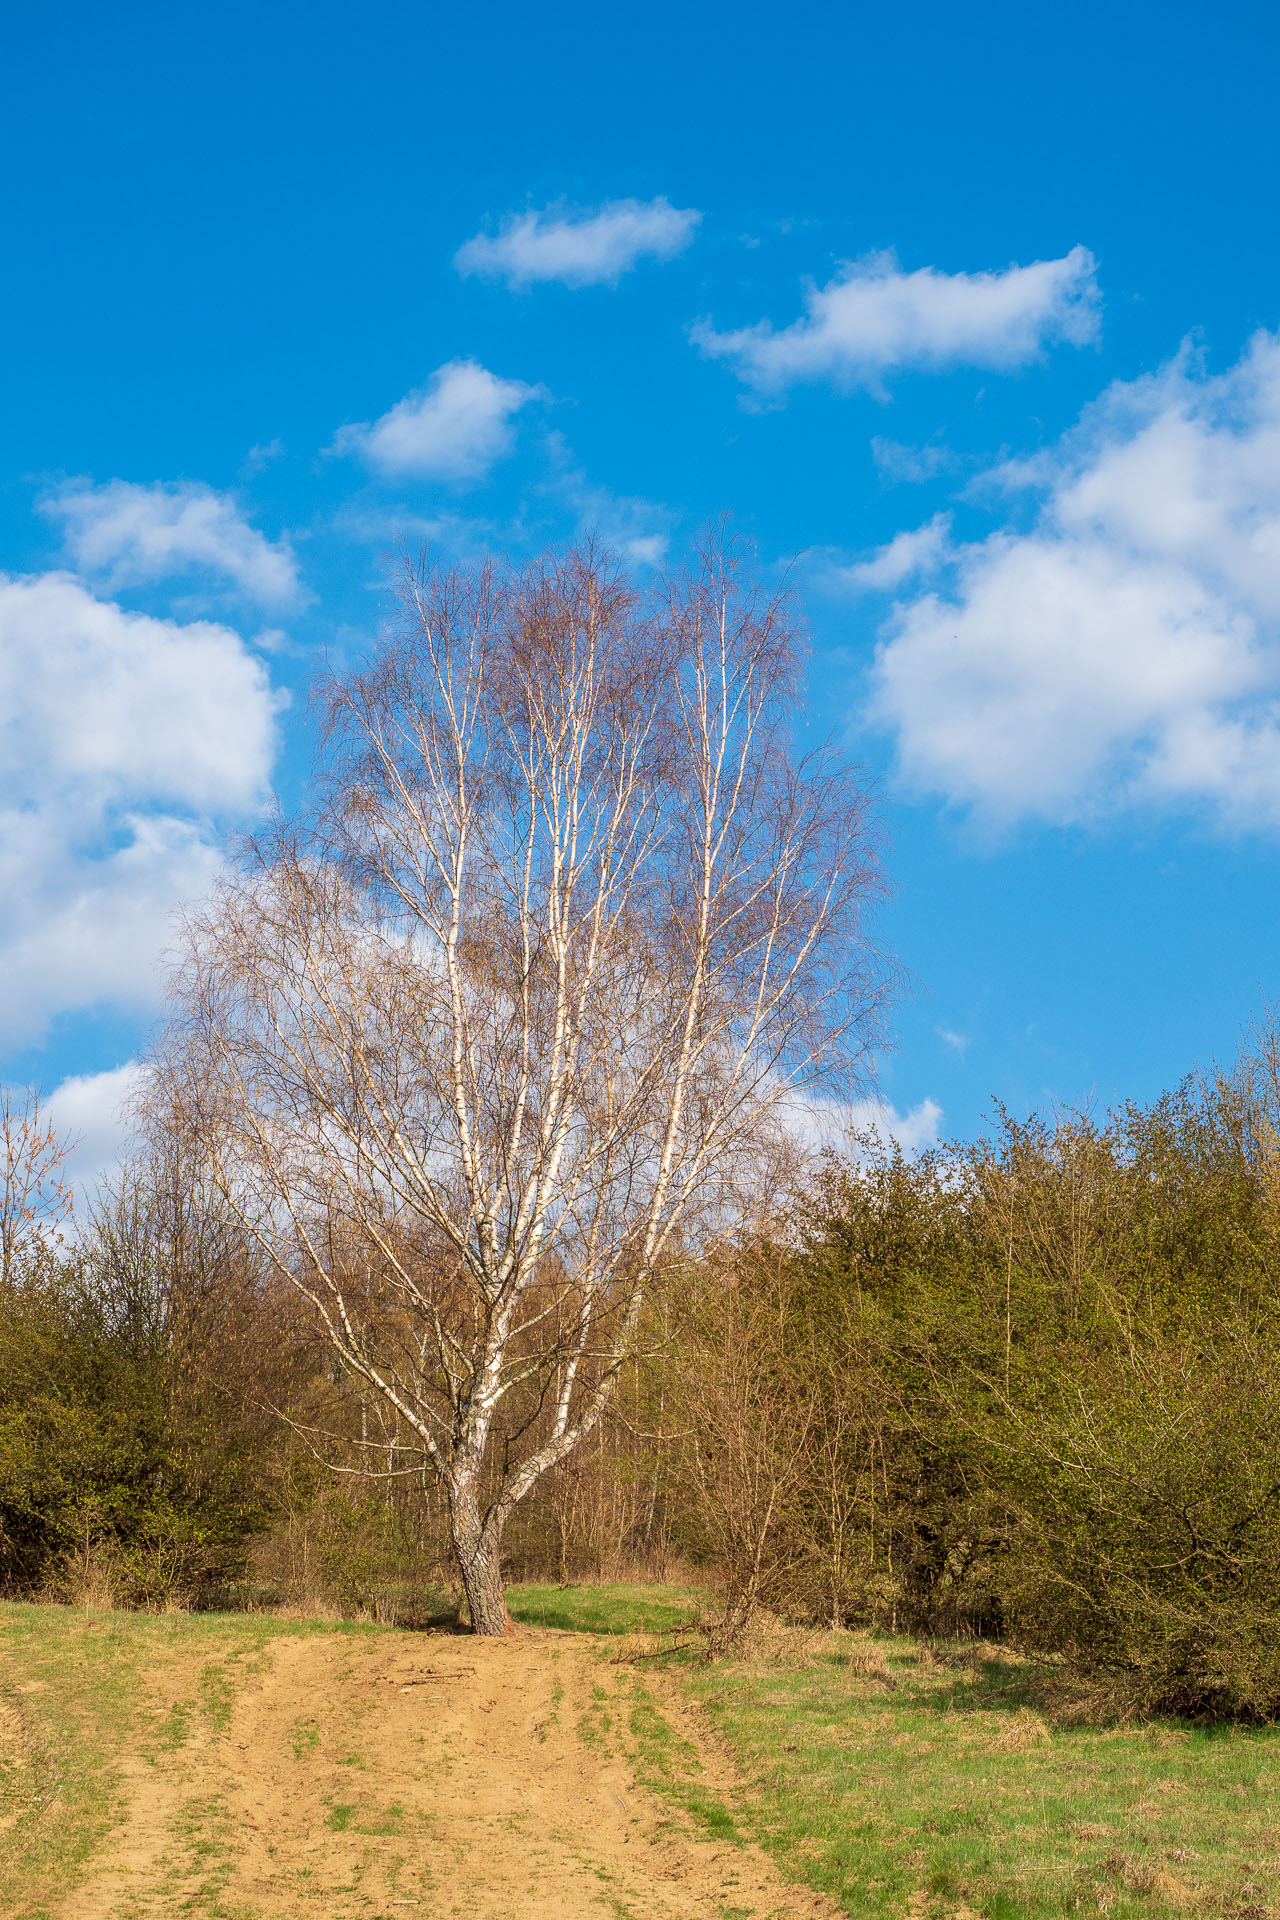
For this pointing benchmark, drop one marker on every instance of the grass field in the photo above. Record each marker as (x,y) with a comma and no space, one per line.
(906,1783)
(901,1779)
(924,1787)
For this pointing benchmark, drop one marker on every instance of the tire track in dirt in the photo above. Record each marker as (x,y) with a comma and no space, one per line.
(369,1777)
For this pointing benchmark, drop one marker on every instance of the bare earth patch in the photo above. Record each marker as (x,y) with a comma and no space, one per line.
(395,1774)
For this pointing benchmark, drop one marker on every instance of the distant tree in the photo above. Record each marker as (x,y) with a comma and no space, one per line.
(491,1038)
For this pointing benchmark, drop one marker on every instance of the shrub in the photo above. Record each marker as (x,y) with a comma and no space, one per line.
(1075,1331)
(130,1436)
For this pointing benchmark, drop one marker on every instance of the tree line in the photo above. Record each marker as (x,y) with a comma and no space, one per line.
(1026,1387)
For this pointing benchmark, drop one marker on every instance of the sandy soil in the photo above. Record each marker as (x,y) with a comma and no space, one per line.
(431,1774)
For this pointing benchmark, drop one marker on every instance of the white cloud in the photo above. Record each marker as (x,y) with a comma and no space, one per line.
(580,247)
(818,1123)
(454,428)
(1125,649)
(907,556)
(126,535)
(85,923)
(92,1110)
(124,742)
(124,707)
(914,1131)
(873,318)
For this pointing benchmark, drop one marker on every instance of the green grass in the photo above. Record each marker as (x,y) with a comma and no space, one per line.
(613,1609)
(938,1788)
(669,1766)
(79,1687)
(623,1721)
(72,1686)
(903,1783)
(304,1738)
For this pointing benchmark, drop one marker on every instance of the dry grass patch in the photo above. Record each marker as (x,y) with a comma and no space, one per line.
(1022,1729)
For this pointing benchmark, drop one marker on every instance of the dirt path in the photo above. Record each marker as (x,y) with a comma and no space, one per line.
(365,1778)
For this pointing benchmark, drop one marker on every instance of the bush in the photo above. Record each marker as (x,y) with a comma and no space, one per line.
(1143,1532)
(1074,1334)
(130,1437)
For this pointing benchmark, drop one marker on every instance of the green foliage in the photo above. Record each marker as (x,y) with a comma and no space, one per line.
(1027,1388)
(1071,1335)
(131,1458)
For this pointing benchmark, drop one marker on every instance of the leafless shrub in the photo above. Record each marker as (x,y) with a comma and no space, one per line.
(747,1425)
(36,1200)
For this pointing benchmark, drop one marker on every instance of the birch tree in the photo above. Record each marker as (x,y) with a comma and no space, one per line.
(481,1048)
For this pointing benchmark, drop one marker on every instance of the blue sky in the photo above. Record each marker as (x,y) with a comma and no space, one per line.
(968,316)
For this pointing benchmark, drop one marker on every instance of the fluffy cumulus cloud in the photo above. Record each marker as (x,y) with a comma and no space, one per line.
(914,1131)
(580,247)
(453,429)
(126,535)
(124,742)
(1123,647)
(873,318)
